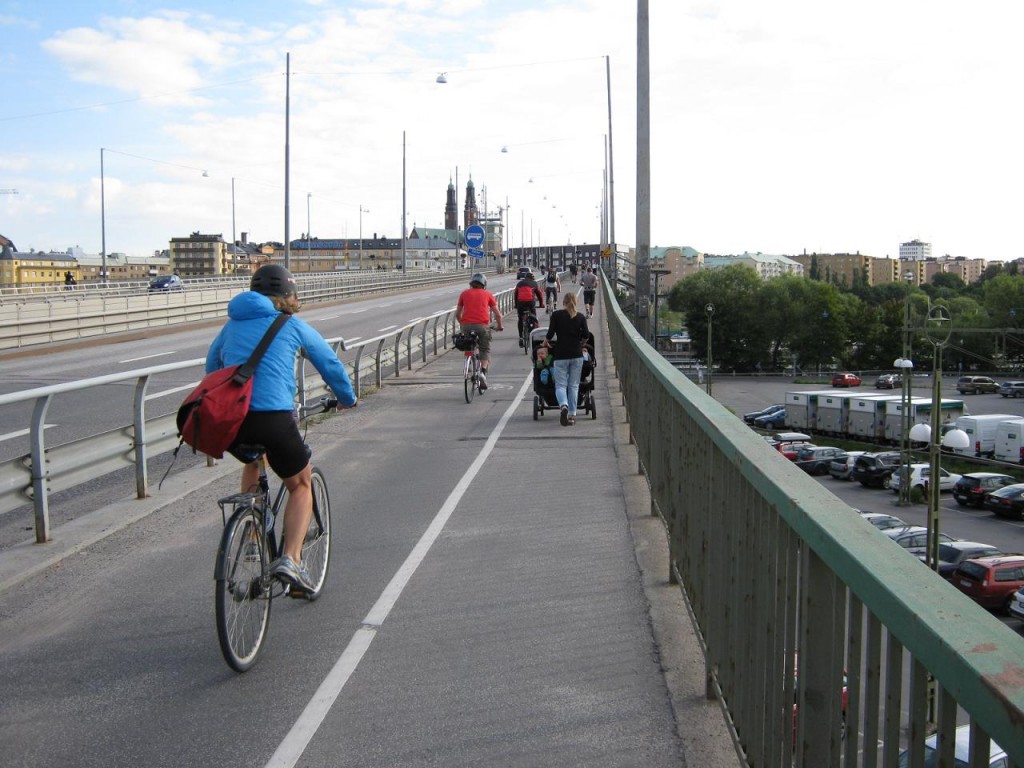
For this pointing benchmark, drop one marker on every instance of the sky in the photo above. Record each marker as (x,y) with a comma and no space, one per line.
(776,127)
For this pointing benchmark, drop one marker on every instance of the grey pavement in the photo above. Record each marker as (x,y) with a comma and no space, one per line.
(541,627)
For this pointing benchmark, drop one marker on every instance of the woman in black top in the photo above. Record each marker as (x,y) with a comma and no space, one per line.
(569,330)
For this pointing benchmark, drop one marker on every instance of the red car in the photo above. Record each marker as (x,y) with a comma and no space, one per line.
(991,581)
(846,380)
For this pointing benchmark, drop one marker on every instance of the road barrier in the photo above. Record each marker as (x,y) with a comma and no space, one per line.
(807,614)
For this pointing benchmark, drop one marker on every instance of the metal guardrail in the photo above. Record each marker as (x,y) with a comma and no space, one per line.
(807,615)
(30,319)
(46,469)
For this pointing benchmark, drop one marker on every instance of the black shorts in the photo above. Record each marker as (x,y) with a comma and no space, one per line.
(278,432)
(588,296)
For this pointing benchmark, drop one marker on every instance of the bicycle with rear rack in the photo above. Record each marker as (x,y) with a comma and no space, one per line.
(244,586)
(468,343)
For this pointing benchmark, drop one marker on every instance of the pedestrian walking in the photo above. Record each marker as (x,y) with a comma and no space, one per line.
(567,333)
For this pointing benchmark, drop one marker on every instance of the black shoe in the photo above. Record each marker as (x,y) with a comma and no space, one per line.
(563,418)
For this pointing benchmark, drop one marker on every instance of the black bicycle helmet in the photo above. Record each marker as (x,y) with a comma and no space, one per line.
(478,279)
(273,280)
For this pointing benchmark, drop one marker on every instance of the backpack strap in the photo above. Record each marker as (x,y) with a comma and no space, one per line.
(246,370)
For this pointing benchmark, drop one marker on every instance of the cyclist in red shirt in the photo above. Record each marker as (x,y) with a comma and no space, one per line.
(474,311)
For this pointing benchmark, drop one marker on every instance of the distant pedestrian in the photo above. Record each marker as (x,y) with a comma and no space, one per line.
(589,282)
(568,329)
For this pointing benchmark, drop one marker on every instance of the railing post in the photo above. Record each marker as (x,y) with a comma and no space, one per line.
(139,416)
(41,496)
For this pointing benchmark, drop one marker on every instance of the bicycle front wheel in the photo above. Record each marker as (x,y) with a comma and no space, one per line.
(316,549)
(241,594)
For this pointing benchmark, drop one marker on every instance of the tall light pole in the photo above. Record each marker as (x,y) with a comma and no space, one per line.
(287,151)
(403,205)
(361,212)
(234,237)
(103,221)
(643,171)
(709,308)
(905,366)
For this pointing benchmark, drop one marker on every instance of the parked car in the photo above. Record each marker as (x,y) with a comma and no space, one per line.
(749,417)
(846,380)
(842,465)
(882,521)
(1011,389)
(971,488)
(789,450)
(991,581)
(1007,502)
(975,385)
(872,470)
(815,460)
(920,476)
(788,437)
(997,758)
(166,283)
(888,381)
(952,553)
(913,536)
(771,421)
(1017,605)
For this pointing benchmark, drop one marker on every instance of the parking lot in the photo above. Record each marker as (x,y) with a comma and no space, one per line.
(744,395)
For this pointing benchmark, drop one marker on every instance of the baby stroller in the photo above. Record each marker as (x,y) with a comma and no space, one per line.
(544,378)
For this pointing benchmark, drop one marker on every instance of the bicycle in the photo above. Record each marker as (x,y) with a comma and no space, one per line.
(467,343)
(527,322)
(244,587)
(550,300)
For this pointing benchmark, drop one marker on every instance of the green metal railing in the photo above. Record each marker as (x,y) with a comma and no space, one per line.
(825,642)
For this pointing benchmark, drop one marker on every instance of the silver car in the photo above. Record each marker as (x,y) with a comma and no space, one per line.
(841,466)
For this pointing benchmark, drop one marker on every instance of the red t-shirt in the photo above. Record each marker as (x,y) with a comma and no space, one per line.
(476,305)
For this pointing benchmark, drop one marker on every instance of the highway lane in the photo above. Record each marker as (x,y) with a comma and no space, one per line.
(99,409)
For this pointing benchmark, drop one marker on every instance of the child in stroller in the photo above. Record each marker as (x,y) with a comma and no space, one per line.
(544,379)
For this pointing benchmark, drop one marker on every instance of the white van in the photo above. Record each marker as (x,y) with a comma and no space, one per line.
(1010,441)
(982,432)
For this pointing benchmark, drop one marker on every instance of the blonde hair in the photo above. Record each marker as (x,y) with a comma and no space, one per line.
(569,302)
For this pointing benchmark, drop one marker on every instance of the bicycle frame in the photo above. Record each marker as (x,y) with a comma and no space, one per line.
(265,514)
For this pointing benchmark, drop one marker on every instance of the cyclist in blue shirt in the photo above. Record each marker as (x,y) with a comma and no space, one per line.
(271,419)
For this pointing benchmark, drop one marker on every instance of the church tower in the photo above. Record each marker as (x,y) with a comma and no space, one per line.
(470,214)
(451,214)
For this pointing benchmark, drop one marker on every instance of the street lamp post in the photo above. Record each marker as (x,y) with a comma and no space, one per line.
(309,236)
(905,367)
(710,310)
(103,221)
(361,212)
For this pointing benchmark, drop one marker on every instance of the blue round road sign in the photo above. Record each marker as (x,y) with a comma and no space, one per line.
(474,236)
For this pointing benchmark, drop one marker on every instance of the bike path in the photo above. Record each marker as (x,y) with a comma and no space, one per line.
(536,627)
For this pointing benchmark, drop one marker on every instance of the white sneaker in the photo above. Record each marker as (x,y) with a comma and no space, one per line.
(483,381)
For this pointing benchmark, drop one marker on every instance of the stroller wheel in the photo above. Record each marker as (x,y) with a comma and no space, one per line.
(536,407)
(593,409)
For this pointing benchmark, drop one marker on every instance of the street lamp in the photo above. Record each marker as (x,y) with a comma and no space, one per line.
(938,330)
(309,253)
(710,310)
(103,221)
(361,212)
(906,368)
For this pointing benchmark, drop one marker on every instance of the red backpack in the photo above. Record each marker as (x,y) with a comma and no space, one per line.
(525,293)
(210,417)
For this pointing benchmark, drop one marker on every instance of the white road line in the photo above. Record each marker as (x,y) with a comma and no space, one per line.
(386,328)
(21,433)
(356,311)
(329,317)
(182,388)
(145,357)
(302,732)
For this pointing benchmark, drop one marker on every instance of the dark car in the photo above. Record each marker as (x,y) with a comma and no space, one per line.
(523,272)
(775,420)
(975,385)
(888,381)
(815,460)
(971,488)
(990,581)
(1007,501)
(166,283)
(873,470)
(952,553)
(749,417)
(846,380)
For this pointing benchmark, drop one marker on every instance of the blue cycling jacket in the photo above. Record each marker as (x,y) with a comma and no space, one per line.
(250,314)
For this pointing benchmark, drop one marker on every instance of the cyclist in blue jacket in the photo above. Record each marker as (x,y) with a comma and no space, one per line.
(271,419)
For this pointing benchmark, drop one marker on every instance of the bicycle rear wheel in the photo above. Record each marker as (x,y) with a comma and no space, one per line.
(316,549)
(241,594)
(470,378)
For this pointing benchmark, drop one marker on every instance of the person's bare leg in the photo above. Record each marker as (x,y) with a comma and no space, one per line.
(251,477)
(297,512)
